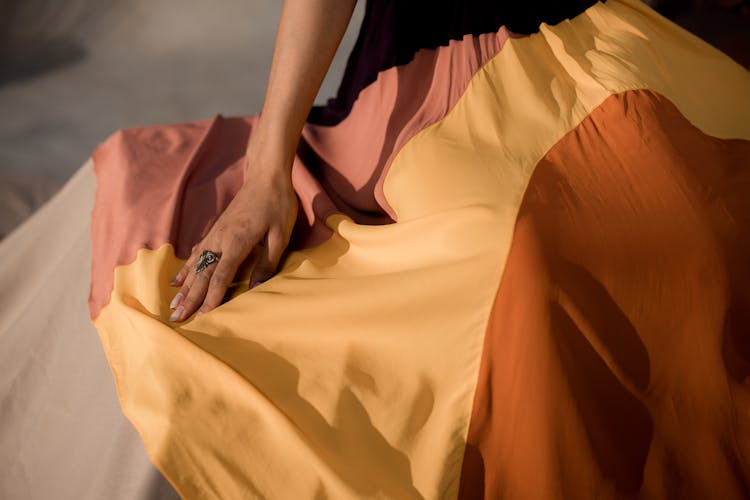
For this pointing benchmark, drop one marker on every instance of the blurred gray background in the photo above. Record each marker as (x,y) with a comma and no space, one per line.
(73,71)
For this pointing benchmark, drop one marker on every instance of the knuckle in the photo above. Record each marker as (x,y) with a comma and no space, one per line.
(210,303)
(234,242)
(187,278)
(190,303)
(219,278)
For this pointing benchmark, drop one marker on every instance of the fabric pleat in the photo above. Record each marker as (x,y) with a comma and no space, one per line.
(519,271)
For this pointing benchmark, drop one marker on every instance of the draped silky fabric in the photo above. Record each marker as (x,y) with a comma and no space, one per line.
(392,32)
(519,271)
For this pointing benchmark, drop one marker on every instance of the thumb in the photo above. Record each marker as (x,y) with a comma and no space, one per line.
(268,260)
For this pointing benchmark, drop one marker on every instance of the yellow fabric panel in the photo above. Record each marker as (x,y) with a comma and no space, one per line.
(345,357)
(351,373)
(537,88)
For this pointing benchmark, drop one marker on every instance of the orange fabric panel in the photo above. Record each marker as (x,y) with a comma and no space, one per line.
(616,357)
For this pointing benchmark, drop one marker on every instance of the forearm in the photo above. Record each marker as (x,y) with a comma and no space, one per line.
(307,38)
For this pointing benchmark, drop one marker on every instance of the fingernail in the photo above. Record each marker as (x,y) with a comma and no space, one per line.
(176,300)
(175,280)
(199,314)
(253,285)
(177,314)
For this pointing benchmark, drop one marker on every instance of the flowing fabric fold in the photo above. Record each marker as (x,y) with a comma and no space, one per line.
(509,255)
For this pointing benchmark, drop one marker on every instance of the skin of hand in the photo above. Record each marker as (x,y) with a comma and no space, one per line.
(263,212)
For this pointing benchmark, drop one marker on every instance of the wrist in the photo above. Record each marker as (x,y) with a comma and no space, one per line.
(278,134)
(269,159)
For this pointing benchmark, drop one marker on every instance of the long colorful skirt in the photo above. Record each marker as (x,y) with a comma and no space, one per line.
(521,269)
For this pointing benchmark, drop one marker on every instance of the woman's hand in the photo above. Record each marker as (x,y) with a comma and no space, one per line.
(262,213)
(266,205)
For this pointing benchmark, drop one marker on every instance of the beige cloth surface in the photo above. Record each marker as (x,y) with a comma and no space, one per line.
(21,196)
(62,433)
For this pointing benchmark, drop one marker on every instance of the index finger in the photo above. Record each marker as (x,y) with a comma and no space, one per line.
(179,278)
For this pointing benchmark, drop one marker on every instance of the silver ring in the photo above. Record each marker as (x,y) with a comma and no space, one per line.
(206,259)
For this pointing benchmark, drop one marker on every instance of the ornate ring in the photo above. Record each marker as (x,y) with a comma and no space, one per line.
(206,259)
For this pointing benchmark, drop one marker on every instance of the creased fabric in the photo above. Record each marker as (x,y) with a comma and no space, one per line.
(517,273)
